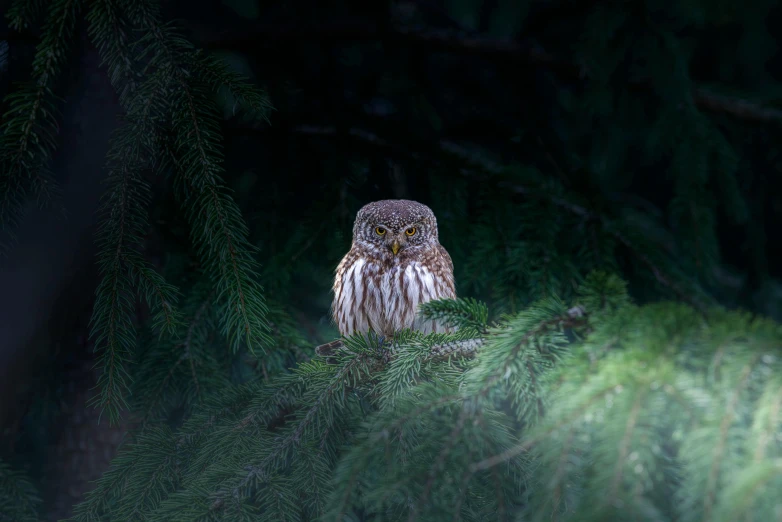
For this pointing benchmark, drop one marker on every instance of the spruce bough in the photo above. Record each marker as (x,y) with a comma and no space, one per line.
(171,129)
(594,410)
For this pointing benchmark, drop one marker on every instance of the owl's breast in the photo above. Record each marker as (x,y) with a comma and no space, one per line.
(404,288)
(385,298)
(390,296)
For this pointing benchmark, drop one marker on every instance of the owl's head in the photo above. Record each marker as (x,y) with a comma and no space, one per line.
(395,226)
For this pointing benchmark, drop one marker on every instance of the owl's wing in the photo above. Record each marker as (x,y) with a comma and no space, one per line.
(446,257)
(447,269)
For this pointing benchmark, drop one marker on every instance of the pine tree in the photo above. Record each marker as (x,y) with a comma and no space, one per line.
(602,369)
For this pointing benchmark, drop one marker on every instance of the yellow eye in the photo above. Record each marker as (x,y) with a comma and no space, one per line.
(380,231)
(410,231)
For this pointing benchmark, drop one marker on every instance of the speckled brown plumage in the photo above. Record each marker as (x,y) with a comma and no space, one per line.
(378,289)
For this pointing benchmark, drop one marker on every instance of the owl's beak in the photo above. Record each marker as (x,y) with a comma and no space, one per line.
(395,247)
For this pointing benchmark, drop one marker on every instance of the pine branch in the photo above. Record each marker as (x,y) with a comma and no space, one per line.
(182,368)
(216,73)
(282,447)
(19,498)
(545,316)
(217,226)
(23,13)
(460,348)
(144,469)
(608,423)
(112,330)
(533,55)
(720,448)
(496,460)
(124,270)
(138,147)
(736,107)
(466,348)
(222,236)
(458,41)
(111,32)
(29,128)
(438,465)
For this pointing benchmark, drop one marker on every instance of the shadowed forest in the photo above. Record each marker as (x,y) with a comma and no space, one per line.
(179,180)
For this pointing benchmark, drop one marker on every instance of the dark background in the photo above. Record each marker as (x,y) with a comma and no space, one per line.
(425,100)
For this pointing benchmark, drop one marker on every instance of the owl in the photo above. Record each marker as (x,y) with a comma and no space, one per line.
(395,263)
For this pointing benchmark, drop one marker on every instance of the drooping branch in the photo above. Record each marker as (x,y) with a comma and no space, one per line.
(457,41)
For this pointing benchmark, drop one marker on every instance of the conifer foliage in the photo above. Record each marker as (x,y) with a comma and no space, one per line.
(600,369)
(597,409)
(19,498)
(170,128)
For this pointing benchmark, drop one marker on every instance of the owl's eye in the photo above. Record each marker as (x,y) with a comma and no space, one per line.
(410,231)
(380,231)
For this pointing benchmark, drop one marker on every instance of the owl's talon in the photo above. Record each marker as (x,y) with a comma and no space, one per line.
(329,348)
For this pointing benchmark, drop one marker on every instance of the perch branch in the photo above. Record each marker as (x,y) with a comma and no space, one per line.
(466,348)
